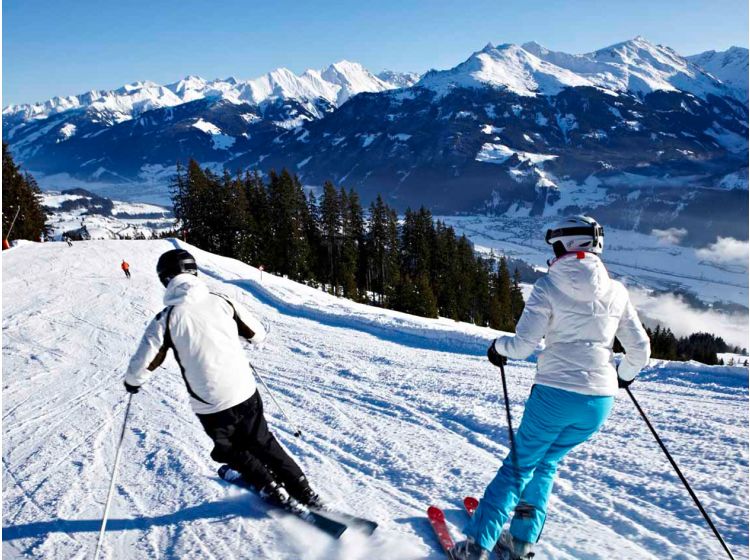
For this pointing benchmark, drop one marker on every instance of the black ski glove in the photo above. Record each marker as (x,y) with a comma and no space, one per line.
(494,357)
(621,383)
(132,389)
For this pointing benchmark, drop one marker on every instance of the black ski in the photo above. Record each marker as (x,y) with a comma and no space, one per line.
(360,523)
(315,518)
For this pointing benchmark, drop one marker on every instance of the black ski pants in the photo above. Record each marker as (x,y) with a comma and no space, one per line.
(243,441)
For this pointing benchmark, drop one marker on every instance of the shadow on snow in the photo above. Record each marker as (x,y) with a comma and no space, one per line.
(223,509)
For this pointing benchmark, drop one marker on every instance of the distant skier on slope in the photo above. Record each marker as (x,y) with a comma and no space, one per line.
(125,268)
(579,310)
(203,329)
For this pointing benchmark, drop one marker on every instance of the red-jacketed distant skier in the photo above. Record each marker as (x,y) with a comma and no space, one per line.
(203,329)
(125,268)
(579,310)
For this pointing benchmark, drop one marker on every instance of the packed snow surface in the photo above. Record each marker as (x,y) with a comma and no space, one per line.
(397,413)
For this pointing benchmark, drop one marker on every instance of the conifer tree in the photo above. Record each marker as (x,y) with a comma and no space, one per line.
(290,250)
(376,241)
(417,240)
(22,201)
(425,303)
(259,221)
(464,274)
(382,252)
(480,292)
(358,231)
(516,298)
(444,270)
(303,225)
(233,213)
(314,240)
(507,323)
(392,275)
(194,197)
(353,234)
(331,229)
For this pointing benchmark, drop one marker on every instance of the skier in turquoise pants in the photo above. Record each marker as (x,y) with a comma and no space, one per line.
(579,310)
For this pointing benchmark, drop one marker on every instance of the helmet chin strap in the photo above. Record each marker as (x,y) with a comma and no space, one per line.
(559,249)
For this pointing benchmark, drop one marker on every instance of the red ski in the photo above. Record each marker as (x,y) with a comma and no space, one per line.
(437,520)
(470,505)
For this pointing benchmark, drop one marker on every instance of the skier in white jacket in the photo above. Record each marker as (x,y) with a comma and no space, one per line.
(580,310)
(202,330)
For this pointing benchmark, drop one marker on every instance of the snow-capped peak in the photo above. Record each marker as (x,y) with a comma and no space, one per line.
(640,66)
(352,78)
(729,66)
(636,65)
(508,66)
(399,79)
(137,86)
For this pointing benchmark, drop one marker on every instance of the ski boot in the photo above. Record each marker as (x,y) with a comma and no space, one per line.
(510,548)
(276,495)
(469,550)
(304,494)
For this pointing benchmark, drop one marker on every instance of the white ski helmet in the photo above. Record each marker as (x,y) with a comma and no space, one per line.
(576,233)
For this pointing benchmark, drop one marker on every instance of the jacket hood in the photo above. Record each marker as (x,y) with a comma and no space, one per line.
(185,288)
(581,276)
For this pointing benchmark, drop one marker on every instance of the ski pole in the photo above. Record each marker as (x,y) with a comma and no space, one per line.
(522,509)
(297,431)
(12,223)
(679,473)
(114,477)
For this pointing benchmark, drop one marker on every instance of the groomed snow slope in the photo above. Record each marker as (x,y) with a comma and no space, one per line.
(397,413)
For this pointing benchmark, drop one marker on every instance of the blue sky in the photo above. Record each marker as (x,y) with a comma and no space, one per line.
(54,47)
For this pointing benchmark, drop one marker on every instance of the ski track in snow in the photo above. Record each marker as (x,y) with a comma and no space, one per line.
(390,425)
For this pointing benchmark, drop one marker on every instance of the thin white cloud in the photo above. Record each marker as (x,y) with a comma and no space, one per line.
(671,311)
(725,250)
(671,236)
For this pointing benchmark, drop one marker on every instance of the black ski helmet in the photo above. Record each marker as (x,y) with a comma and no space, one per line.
(174,262)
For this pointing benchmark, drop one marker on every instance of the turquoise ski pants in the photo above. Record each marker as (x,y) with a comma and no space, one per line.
(553,423)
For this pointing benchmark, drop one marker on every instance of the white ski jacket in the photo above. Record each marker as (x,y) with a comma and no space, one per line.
(580,310)
(202,329)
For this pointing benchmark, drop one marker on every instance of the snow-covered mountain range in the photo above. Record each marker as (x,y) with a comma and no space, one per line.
(332,85)
(729,66)
(513,129)
(636,66)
